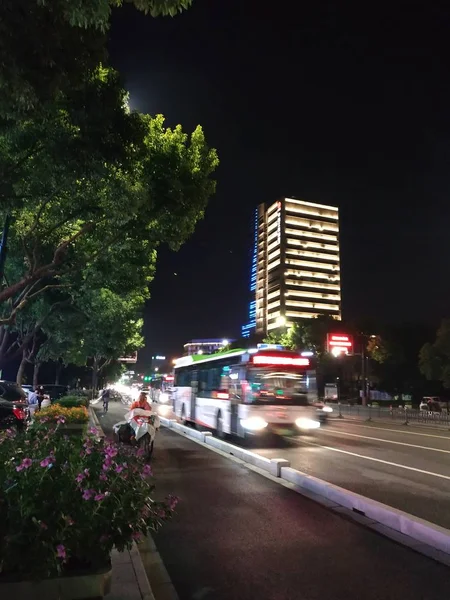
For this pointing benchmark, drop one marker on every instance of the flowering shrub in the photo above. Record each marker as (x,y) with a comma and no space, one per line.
(65,502)
(72,401)
(61,414)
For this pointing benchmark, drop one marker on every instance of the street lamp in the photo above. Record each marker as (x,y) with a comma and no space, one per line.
(225,342)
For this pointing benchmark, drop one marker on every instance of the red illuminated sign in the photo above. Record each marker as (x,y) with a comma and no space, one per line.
(339,343)
(288,361)
(170,377)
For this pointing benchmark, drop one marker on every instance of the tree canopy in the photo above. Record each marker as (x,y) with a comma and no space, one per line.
(90,188)
(50,46)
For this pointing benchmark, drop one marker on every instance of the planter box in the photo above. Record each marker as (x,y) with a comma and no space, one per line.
(73,587)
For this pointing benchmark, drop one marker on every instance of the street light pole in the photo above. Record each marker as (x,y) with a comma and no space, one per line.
(363,371)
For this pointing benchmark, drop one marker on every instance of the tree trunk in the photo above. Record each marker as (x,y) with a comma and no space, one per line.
(59,367)
(37,366)
(95,365)
(21,370)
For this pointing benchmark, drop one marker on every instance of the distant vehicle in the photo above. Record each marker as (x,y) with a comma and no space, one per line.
(243,392)
(54,391)
(431,404)
(13,406)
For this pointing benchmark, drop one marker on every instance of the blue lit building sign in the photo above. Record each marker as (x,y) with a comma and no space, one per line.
(249,328)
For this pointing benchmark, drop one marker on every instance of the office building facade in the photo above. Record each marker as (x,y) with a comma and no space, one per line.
(297,263)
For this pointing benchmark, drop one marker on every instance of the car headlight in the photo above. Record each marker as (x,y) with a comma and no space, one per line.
(327,409)
(307,424)
(163,398)
(254,423)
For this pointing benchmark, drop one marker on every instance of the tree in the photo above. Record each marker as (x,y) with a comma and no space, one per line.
(308,334)
(378,349)
(113,328)
(434,359)
(50,47)
(95,193)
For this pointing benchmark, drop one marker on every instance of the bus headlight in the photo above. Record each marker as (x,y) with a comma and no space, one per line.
(307,424)
(327,409)
(254,423)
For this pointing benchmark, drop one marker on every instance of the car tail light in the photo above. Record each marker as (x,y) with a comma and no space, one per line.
(19,413)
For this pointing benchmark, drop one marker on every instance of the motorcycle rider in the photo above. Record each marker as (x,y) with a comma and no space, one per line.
(141,402)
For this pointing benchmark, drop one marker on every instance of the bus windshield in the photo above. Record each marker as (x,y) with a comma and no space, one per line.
(270,386)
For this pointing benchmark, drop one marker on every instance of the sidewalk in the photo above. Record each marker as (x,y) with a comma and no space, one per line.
(129,580)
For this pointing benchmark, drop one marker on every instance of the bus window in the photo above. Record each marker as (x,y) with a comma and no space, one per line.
(274,387)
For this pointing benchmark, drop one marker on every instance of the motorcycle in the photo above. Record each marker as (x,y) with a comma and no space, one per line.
(139,429)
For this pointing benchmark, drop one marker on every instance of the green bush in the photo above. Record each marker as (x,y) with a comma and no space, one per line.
(79,393)
(72,401)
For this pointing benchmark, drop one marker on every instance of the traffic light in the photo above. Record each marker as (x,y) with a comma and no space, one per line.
(147,378)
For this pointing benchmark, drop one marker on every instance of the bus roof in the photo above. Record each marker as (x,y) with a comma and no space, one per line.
(259,356)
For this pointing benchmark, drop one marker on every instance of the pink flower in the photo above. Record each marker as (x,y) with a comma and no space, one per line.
(87,494)
(86,472)
(61,420)
(146,471)
(172,502)
(98,497)
(93,430)
(26,463)
(111,451)
(61,551)
(79,478)
(47,462)
(103,477)
(119,469)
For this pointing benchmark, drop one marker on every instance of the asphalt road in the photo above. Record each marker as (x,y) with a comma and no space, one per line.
(407,468)
(240,536)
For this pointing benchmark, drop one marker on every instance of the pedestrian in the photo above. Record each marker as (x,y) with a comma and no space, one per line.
(105,397)
(40,396)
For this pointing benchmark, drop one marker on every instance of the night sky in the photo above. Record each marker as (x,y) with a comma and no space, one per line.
(342,103)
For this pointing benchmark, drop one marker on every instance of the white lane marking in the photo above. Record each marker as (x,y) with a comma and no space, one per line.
(441,437)
(378,460)
(367,437)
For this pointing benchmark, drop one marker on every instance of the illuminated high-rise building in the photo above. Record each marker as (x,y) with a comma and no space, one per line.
(250,326)
(297,263)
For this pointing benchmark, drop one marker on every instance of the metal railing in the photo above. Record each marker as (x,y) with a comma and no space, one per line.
(402,415)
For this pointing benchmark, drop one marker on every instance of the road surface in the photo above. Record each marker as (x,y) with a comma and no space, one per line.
(408,468)
(239,536)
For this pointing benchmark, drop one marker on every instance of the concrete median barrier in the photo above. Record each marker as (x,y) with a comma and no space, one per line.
(418,529)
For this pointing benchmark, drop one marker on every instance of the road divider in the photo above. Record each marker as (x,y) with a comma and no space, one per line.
(421,535)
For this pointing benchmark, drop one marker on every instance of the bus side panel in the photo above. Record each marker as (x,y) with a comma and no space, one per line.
(207,410)
(182,397)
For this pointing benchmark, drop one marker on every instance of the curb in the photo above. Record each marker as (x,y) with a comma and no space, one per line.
(158,577)
(415,533)
(162,587)
(94,422)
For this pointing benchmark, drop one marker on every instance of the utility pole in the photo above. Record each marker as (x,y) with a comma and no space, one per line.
(363,371)
(3,248)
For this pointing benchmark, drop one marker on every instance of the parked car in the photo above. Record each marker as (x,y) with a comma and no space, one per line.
(13,406)
(54,391)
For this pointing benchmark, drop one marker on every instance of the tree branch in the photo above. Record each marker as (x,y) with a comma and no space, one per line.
(45,270)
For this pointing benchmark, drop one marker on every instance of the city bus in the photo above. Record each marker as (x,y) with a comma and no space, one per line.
(243,392)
